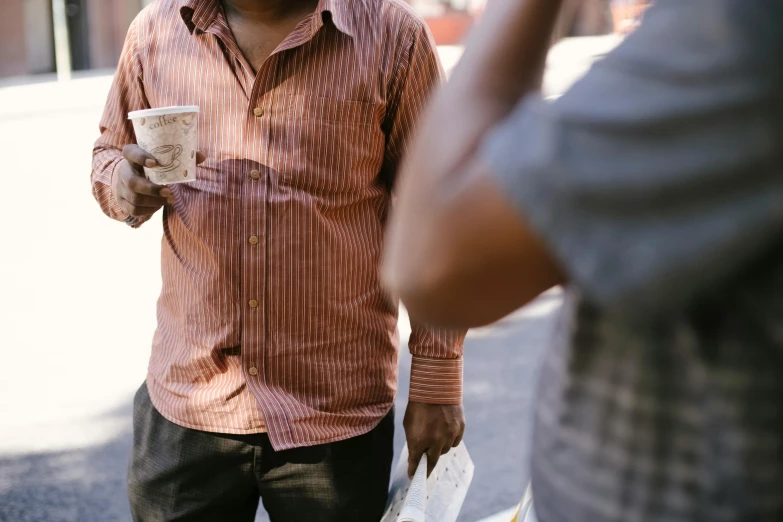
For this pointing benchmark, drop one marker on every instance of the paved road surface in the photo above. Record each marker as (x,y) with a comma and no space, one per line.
(78,311)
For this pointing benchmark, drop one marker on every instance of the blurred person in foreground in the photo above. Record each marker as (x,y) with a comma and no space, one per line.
(583,18)
(274,364)
(652,190)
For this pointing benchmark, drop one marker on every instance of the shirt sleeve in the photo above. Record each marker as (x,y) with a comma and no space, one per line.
(657,176)
(436,365)
(436,368)
(126,95)
(417,74)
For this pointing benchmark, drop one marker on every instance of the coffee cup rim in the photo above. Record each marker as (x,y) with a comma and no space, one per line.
(162,111)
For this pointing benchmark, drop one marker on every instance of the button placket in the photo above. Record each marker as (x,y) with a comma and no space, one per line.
(254,218)
(256,223)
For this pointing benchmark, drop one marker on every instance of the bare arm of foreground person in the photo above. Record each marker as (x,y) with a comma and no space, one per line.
(652,180)
(501,264)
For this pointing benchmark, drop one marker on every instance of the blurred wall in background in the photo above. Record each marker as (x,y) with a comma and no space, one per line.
(96,32)
(13,44)
(39,49)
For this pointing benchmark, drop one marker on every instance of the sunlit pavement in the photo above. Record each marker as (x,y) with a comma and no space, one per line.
(78,311)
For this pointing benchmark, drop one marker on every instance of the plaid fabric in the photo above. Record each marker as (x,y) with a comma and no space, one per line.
(676,422)
(656,183)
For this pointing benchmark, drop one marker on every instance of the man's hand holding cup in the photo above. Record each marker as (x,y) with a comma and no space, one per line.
(136,195)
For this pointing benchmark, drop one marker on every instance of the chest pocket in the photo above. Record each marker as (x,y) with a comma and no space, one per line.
(327,145)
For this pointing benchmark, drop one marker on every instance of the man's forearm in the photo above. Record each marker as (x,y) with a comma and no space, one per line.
(506,54)
(503,61)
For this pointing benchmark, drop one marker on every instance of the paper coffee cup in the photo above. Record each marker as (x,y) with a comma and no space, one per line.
(170,135)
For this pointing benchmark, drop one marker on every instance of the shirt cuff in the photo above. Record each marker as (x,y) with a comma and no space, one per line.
(436,381)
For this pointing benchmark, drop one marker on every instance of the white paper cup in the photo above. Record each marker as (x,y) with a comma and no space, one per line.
(170,135)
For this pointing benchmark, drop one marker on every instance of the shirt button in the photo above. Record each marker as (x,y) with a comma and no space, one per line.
(252,370)
(253,240)
(253,303)
(258,111)
(255,174)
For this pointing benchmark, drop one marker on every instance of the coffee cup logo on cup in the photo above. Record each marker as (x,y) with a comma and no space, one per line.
(166,156)
(170,135)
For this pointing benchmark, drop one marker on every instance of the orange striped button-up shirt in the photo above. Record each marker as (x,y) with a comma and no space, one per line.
(271,315)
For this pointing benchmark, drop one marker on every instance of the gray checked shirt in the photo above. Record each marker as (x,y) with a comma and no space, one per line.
(657,182)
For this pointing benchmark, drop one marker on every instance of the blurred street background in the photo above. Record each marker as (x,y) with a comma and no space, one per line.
(75,342)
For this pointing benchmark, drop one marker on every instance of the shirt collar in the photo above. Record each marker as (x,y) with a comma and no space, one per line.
(199,14)
(339,13)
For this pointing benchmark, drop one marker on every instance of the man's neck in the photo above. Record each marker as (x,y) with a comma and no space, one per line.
(267,11)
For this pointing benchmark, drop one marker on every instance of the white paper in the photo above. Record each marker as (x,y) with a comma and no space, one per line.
(436,499)
(415,502)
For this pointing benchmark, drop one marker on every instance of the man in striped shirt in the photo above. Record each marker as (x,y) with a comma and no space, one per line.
(273,368)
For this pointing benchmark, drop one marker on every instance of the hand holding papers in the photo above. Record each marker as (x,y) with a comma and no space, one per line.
(438,498)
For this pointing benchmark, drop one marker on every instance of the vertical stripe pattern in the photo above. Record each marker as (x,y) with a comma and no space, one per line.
(271,316)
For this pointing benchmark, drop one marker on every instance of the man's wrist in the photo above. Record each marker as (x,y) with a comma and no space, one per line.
(436,381)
